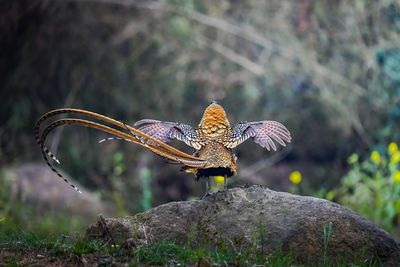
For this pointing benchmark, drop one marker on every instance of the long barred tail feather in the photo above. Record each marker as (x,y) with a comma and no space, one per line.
(58,173)
(135,136)
(186,160)
(111,139)
(51,155)
(147,138)
(47,153)
(37,128)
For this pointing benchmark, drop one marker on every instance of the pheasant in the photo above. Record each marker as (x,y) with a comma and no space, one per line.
(213,140)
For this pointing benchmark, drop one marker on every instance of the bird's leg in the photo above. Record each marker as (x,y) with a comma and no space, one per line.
(225,182)
(207,187)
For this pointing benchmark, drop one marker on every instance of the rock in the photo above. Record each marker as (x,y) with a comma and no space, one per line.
(240,217)
(38,188)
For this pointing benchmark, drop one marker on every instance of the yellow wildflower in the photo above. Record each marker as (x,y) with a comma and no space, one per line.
(396,176)
(375,157)
(392,148)
(295,177)
(395,158)
(219,179)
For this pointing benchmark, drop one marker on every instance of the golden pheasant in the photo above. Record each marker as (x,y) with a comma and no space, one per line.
(213,140)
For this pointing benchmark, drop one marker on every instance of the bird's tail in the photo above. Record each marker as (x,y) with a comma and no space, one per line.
(128,133)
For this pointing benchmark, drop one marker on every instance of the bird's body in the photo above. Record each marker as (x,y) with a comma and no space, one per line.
(213,140)
(213,131)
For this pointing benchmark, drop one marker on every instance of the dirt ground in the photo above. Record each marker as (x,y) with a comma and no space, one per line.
(36,257)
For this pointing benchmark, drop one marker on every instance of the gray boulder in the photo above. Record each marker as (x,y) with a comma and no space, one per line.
(40,189)
(256,217)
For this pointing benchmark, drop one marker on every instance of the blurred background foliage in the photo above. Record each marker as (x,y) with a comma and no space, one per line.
(328,70)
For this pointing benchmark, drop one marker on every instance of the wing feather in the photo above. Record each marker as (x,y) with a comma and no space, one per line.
(166,131)
(263,133)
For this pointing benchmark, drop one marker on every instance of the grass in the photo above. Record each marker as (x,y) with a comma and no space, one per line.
(162,253)
(25,247)
(327,237)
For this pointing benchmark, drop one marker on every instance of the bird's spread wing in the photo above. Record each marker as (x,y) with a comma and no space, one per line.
(264,133)
(166,131)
